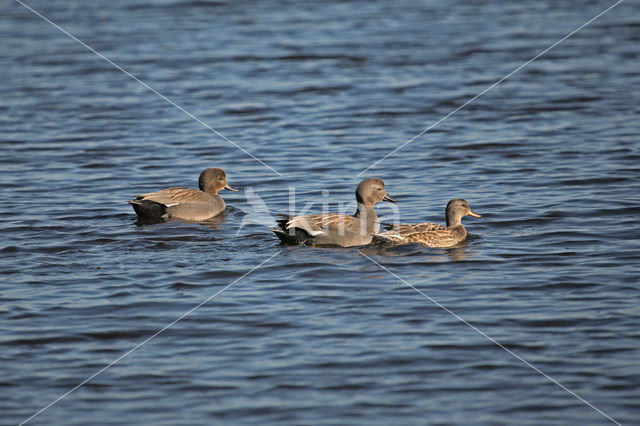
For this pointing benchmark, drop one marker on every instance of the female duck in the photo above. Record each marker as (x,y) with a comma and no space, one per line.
(185,203)
(432,234)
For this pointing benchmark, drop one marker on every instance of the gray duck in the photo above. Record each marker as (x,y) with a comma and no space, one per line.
(185,203)
(337,229)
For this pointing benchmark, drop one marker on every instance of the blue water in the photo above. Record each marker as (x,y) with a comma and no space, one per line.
(319,92)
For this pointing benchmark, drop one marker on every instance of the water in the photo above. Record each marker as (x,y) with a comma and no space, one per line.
(319,92)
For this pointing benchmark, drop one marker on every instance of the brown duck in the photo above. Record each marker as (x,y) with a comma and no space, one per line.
(185,203)
(337,229)
(432,234)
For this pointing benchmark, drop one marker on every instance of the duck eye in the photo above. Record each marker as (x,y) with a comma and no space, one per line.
(220,178)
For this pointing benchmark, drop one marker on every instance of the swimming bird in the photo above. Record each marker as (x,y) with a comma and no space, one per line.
(432,234)
(185,203)
(338,229)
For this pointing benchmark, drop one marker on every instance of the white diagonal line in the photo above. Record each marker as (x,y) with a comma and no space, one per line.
(193,116)
(148,339)
(491,87)
(500,345)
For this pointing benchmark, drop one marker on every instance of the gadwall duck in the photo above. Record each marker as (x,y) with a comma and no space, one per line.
(432,234)
(337,229)
(185,203)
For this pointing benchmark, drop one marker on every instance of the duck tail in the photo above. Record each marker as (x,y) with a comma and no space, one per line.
(148,209)
(388,237)
(388,226)
(291,236)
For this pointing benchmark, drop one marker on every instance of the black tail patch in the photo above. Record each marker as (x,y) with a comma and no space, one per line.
(146,209)
(292,236)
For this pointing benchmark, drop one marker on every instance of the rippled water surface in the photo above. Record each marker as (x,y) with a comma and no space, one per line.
(319,92)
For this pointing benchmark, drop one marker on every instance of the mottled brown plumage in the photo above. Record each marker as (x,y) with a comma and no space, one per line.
(432,234)
(185,203)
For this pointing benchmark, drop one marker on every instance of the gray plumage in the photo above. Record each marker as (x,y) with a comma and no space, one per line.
(338,229)
(185,203)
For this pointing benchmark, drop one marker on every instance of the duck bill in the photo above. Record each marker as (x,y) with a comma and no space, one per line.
(227,186)
(389,199)
(473,214)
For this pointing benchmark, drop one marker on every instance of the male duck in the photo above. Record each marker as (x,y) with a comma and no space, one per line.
(338,229)
(185,203)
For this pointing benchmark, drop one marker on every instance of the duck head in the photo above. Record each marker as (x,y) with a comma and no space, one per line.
(456,210)
(371,191)
(213,180)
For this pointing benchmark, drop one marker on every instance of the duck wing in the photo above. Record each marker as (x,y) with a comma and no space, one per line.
(317,224)
(419,228)
(176,195)
(407,233)
(433,235)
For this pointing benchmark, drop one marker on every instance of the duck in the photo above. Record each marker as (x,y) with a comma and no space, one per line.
(337,229)
(432,234)
(188,204)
